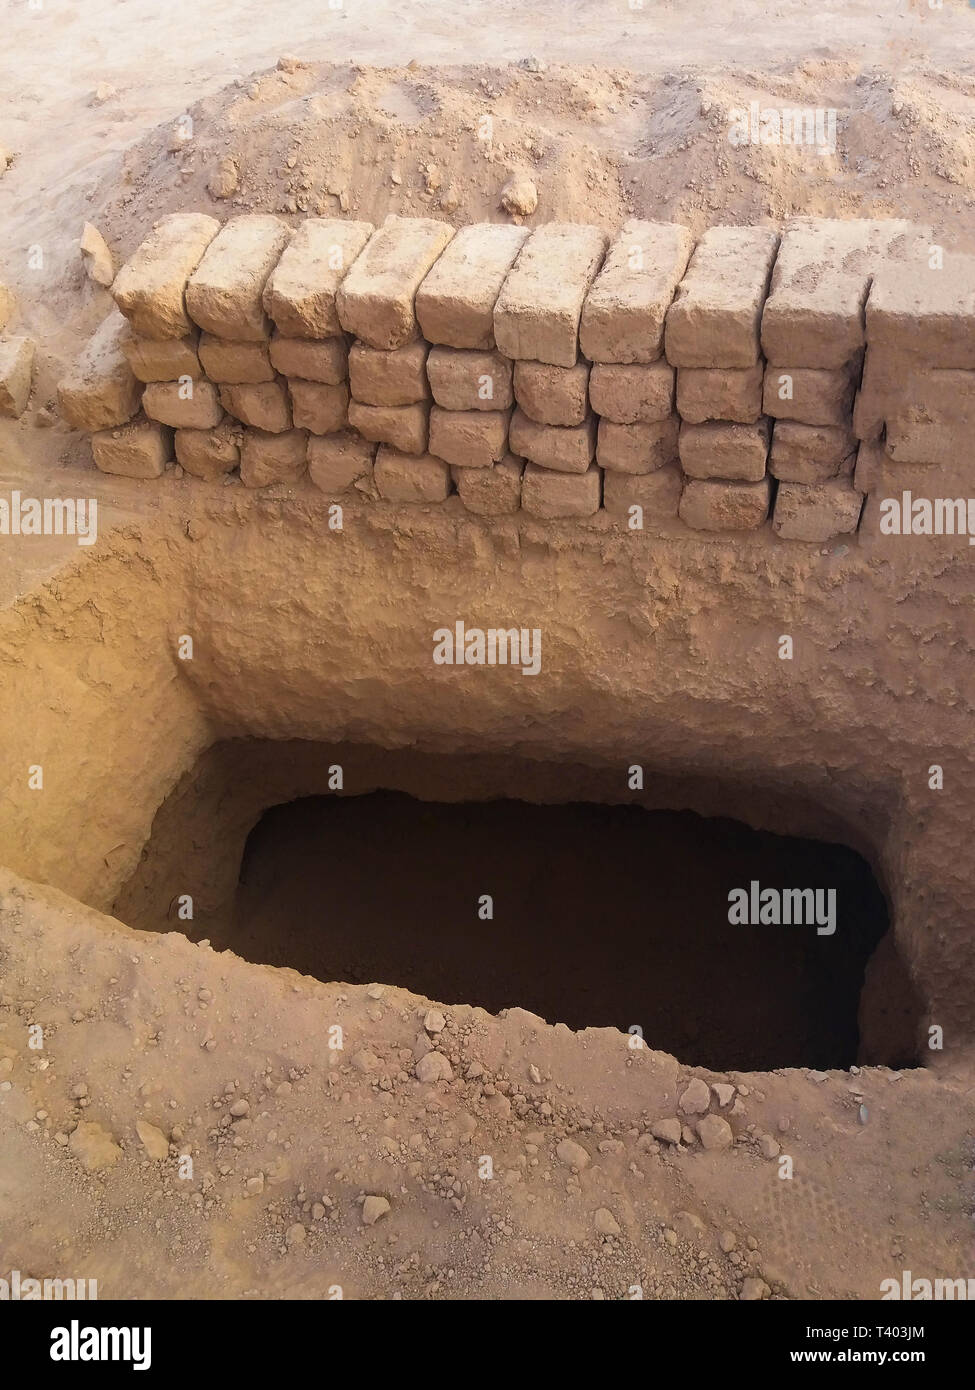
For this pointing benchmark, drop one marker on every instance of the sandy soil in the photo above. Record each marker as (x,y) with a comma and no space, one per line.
(157,1048)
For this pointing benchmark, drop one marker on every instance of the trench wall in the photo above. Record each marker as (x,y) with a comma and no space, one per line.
(758,377)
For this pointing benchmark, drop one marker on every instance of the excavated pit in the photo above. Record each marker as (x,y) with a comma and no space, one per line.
(586,913)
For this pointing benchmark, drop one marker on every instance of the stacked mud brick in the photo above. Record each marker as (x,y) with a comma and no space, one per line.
(558,370)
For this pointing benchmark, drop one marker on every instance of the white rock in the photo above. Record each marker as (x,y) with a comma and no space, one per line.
(696,1098)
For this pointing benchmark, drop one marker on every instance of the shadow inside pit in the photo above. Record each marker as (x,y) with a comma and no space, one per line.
(602,915)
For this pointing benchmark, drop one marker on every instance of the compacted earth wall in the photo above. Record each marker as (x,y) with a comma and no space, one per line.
(752,377)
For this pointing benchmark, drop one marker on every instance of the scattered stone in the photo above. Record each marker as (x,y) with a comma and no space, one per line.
(727,1240)
(753,1290)
(434,1022)
(296,1234)
(767,1146)
(96,256)
(239,1109)
(668,1131)
(224,180)
(519,196)
(606,1223)
(373,1210)
(724,1093)
(688,1225)
(715,1133)
(696,1098)
(573,1155)
(152,1139)
(94,1146)
(434,1067)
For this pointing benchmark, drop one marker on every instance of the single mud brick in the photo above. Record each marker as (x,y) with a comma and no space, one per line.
(327,361)
(716,316)
(337,462)
(809,453)
(927,313)
(187,405)
(398,377)
(552,495)
(634,394)
(657,493)
(536,317)
(235,364)
(469,438)
(210,454)
(264,406)
(150,289)
(455,303)
(722,450)
(155,359)
(300,292)
(225,293)
(404,427)
(553,395)
(411,477)
(810,395)
(376,299)
(141,449)
(494,491)
(814,315)
(720,393)
(101,390)
(720,506)
(934,420)
(16,366)
(272,458)
(624,314)
(463,379)
(638,448)
(566,450)
(816,512)
(320,408)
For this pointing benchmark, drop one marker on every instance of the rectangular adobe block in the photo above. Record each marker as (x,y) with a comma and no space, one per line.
(809,453)
(101,390)
(326,361)
(406,428)
(810,395)
(398,377)
(264,406)
(553,395)
(150,289)
(624,314)
(141,449)
(720,393)
(925,312)
(300,293)
(934,419)
(376,300)
(185,406)
(552,495)
(816,512)
(814,315)
(536,317)
(455,303)
(339,462)
(469,438)
(411,477)
(16,368)
(716,316)
(632,394)
(156,359)
(566,450)
(640,448)
(225,293)
(234,364)
(657,494)
(272,458)
(718,506)
(721,450)
(494,491)
(210,454)
(464,379)
(318,407)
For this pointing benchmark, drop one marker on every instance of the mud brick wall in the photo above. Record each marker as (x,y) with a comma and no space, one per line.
(745,380)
